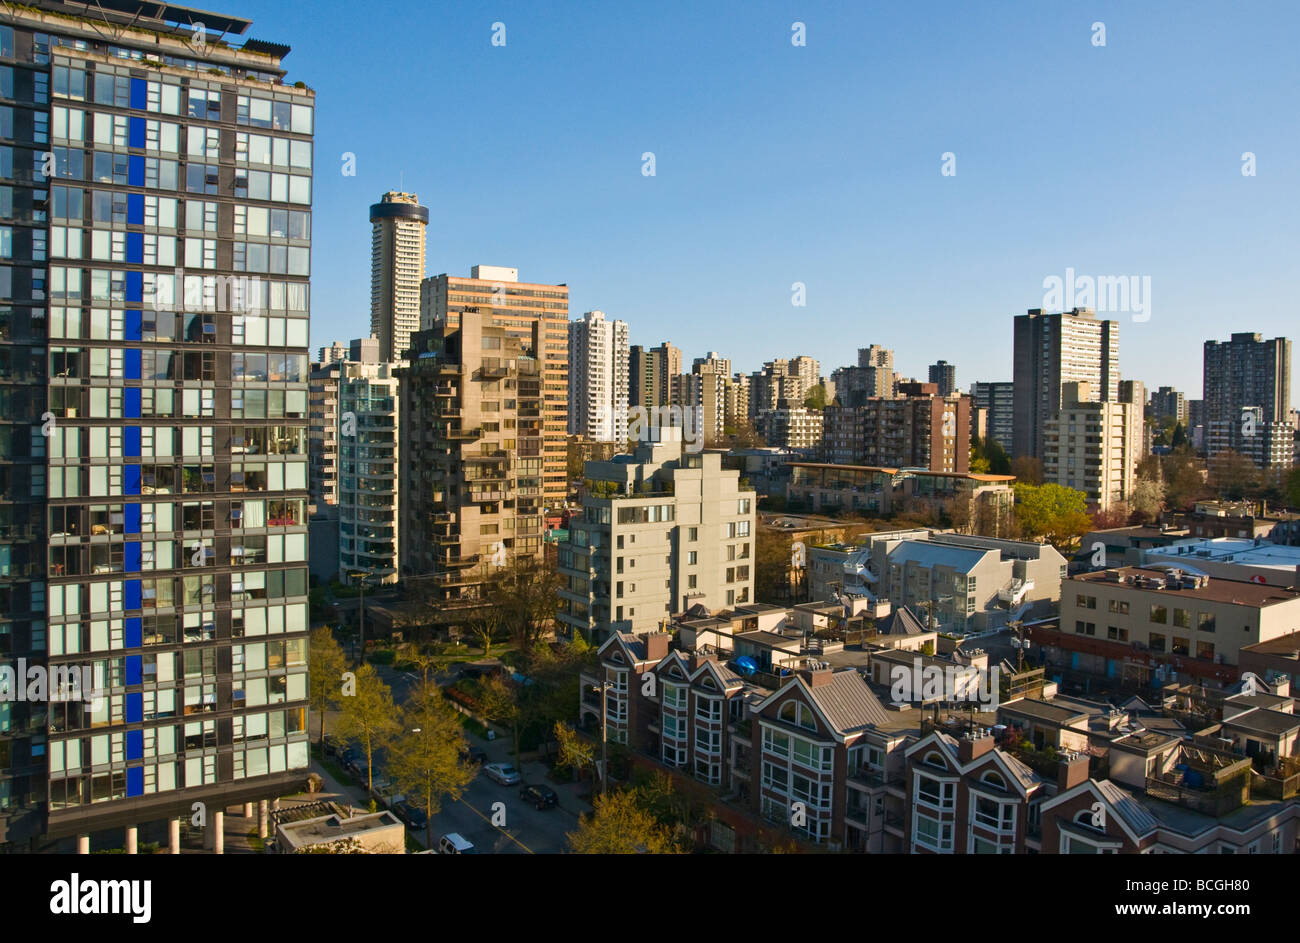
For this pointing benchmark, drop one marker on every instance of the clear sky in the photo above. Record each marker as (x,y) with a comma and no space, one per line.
(820,164)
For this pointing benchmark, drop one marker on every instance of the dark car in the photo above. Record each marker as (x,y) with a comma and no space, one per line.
(334,746)
(539,797)
(412,815)
(475,755)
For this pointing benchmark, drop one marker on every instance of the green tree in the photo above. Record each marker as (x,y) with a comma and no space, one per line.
(499,702)
(426,760)
(1028,469)
(621,825)
(485,624)
(1148,498)
(1293,488)
(368,715)
(527,591)
(576,752)
(816,398)
(325,666)
(1053,513)
(1233,475)
(998,459)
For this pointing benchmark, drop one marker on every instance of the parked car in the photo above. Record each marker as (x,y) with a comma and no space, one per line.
(475,755)
(414,817)
(502,773)
(539,797)
(333,746)
(454,844)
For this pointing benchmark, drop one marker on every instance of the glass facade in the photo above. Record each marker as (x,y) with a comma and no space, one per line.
(153,407)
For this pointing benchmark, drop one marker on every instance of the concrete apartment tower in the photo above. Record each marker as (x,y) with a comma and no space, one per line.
(159,528)
(1247,388)
(536,314)
(398,223)
(369,464)
(1050,351)
(944,375)
(998,398)
(653,374)
(472,436)
(598,378)
(657,535)
(1093,446)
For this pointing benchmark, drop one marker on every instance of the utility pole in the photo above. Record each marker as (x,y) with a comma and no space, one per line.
(603,688)
(361,617)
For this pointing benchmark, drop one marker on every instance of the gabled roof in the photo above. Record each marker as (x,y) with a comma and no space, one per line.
(903,621)
(721,674)
(632,646)
(848,703)
(1132,811)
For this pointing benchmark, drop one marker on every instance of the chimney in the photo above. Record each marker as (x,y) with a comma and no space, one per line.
(699,658)
(656,646)
(816,673)
(975,744)
(1072,769)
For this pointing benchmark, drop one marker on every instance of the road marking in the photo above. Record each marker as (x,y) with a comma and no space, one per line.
(499,829)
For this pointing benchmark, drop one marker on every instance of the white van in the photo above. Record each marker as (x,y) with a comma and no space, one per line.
(454,844)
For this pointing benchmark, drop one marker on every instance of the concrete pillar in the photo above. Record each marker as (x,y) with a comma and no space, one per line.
(83,844)
(218,833)
(248,810)
(174,836)
(275,804)
(132,839)
(263,811)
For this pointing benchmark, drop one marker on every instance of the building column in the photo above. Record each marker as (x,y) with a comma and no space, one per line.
(132,839)
(174,836)
(248,810)
(275,804)
(83,844)
(218,833)
(262,815)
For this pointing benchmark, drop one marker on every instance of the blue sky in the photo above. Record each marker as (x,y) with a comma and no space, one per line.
(777,164)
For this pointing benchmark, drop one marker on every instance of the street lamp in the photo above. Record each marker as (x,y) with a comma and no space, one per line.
(361,617)
(604,688)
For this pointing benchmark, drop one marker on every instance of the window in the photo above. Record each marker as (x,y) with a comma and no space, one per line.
(1205,622)
(935,792)
(1085,602)
(1160,614)
(1118,606)
(1156,642)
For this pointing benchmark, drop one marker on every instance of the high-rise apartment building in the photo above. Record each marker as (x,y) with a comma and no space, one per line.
(1168,403)
(652,374)
(472,434)
(323,434)
(999,399)
(1134,393)
(782,380)
(1093,446)
(915,430)
(1247,388)
(657,535)
(598,378)
(736,406)
(944,375)
(335,351)
(873,376)
(155,292)
(397,239)
(791,426)
(369,465)
(520,308)
(1050,351)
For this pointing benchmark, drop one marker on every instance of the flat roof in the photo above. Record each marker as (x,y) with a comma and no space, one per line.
(1043,710)
(1217,589)
(1231,550)
(910,471)
(1263,720)
(165,12)
(1288,646)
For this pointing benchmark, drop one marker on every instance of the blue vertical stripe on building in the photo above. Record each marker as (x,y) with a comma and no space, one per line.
(139,94)
(134,707)
(134,781)
(131,402)
(130,479)
(135,209)
(135,170)
(131,525)
(134,632)
(132,590)
(131,556)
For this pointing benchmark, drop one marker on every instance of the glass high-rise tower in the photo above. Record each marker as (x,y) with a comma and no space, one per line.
(156,181)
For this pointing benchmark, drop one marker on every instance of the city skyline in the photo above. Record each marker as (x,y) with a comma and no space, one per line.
(761,183)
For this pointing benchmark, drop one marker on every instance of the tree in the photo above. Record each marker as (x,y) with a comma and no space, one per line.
(527,591)
(576,752)
(368,715)
(1028,469)
(1053,513)
(772,562)
(1293,488)
(1233,475)
(1116,515)
(620,825)
(426,759)
(1184,479)
(499,702)
(1148,499)
(999,460)
(816,398)
(325,666)
(484,624)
